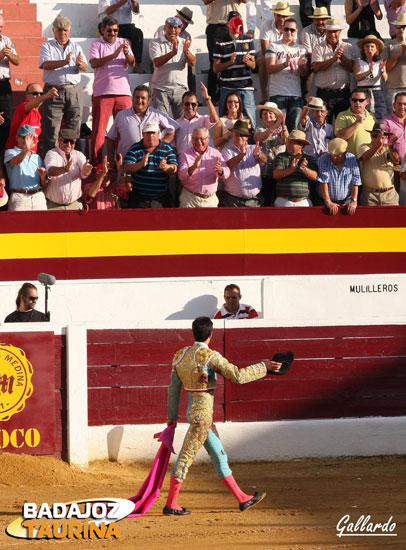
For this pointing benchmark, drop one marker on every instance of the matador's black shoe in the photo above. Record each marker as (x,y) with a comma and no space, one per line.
(252,501)
(168,511)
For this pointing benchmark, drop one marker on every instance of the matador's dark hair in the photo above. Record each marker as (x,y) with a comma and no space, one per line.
(202,328)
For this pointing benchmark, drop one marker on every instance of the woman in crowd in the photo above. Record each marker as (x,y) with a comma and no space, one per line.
(370,72)
(232,111)
(360,16)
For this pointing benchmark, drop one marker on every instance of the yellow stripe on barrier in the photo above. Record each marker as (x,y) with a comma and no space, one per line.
(202,241)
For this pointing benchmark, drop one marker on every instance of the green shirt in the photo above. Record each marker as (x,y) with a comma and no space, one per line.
(295,186)
(360,136)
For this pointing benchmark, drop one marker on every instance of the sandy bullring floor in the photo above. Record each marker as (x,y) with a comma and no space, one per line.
(305,501)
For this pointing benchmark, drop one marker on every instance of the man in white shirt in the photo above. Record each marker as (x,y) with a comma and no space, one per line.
(8,55)
(286,61)
(62,62)
(170,56)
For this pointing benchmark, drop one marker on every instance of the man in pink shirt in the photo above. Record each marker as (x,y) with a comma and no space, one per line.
(396,123)
(109,57)
(191,118)
(200,166)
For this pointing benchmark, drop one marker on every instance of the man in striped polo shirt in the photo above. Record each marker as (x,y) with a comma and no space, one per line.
(234,59)
(149,163)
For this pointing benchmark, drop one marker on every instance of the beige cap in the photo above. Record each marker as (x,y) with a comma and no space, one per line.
(150,127)
(271,106)
(337,146)
(282,8)
(298,135)
(400,20)
(334,25)
(61,22)
(316,103)
(320,13)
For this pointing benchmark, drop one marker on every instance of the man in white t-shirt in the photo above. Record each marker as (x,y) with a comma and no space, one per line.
(286,61)
(170,56)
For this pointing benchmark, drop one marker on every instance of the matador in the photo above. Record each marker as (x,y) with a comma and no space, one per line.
(195,368)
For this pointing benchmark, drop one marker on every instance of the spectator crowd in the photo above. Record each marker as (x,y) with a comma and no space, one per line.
(330,128)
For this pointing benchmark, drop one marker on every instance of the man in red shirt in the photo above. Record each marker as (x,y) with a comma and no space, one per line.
(27,113)
(233,309)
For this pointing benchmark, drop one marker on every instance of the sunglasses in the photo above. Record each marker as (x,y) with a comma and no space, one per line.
(356,100)
(32,298)
(289,29)
(110,31)
(377,134)
(401,27)
(71,141)
(190,104)
(36,93)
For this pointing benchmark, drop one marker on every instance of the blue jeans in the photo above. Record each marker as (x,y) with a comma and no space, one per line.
(247,100)
(292,106)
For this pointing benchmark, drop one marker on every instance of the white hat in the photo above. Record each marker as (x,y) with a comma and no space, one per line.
(150,127)
(317,104)
(334,25)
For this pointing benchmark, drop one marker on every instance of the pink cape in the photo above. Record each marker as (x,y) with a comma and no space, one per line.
(151,487)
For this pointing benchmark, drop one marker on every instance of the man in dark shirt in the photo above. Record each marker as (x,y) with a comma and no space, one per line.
(26,300)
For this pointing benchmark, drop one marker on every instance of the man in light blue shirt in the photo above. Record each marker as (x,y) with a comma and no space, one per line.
(62,61)
(25,172)
(339,177)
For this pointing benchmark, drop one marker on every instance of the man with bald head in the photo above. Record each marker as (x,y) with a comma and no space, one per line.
(8,55)
(28,112)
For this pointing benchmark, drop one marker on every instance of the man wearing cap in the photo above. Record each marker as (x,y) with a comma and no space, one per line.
(286,62)
(234,60)
(314,33)
(191,118)
(294,171)
(149,163)
(26,173)
(66,167)
(8,55)
(396,123)
(200,167)
(185,15)
(62,62)
(318,131)
(123,11)
(218,13)
(243,186)
(271,31)
(127,127)
(28,112)
(109,57)
(354,124)
(271,135)
(339,177)
(170,56)
(332,61)
(395,56)
(377,160)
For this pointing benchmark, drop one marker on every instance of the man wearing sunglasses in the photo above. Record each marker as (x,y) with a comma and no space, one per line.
(28,112)
(109,57)
(66,167)
(354,124)
(26,301)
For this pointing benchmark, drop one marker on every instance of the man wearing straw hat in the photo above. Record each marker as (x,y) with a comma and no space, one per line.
(395,55)
(339,178)
(294,171)
(306,8)
(318,131)
(314,33)
(332,61)
(243,186)
(271,31)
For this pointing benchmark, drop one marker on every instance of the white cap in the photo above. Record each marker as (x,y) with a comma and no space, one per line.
(150,127)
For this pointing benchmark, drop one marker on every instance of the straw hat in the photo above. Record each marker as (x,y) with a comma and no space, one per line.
(282,8)
(371,38)
(320,13)
(317,104)
(334,25)
(337,146)
(400,20)
(270,106)
(298,135)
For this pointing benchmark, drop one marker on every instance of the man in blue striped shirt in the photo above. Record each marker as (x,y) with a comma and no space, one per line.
(149,163)
(339,177)
(234,59)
